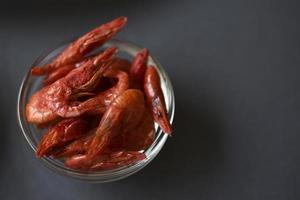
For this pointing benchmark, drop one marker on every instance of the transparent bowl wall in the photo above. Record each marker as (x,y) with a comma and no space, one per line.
(31,84)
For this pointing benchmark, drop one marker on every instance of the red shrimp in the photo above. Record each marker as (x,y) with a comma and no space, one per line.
(55,100)
(124,113)
(60,134)
(156,100)
(77,50)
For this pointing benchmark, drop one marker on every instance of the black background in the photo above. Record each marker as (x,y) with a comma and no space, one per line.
(234,66)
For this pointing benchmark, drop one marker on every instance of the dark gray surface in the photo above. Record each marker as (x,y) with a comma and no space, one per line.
(235,68)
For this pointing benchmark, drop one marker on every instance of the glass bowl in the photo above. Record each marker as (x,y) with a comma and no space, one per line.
(31,84)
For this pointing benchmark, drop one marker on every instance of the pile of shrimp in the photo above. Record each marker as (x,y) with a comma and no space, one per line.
(99,109)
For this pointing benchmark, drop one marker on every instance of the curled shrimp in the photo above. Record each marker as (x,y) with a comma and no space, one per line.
(76,51)
(60,134)
(55,100)
(124,113)
(156,100)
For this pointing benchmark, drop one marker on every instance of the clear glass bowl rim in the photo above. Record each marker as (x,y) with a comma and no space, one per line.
(107,175)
